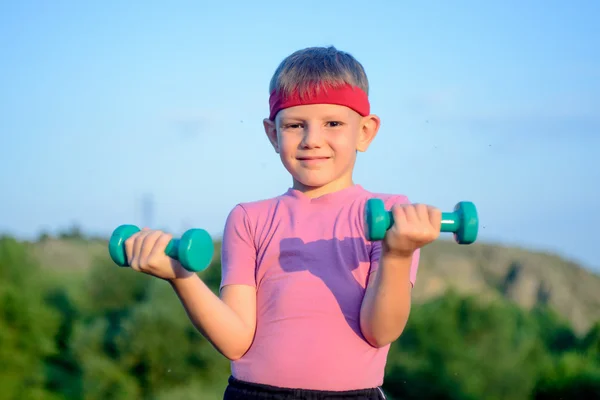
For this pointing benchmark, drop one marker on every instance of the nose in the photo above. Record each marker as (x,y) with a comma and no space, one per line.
(313,137)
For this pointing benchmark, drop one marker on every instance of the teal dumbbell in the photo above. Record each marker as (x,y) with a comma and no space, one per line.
(462,222)
(194,250)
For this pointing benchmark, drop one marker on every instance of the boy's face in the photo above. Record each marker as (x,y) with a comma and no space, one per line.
(317,144)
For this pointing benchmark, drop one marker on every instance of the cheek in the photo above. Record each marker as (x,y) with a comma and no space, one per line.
(287,145)
(344,147)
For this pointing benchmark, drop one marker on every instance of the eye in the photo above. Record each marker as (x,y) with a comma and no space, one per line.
(334,124)
(293,125)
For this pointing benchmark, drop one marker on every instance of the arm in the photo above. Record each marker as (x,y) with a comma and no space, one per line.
(394,263)
(386,305)
(228,323)
(395,260)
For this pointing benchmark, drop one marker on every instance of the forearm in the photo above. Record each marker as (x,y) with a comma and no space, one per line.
(213,318)
(387,301)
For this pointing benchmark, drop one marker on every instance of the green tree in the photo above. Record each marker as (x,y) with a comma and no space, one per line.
(590,344)
(555,332)
(572,376)
(463,348)
(27,324)
(135,327)
(163,349)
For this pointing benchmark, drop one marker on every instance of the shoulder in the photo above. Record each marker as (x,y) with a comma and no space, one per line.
(248,222)
(254,214)
(389,199)
(253,209)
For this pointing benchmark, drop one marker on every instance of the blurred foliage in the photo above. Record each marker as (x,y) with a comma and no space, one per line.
(105,332)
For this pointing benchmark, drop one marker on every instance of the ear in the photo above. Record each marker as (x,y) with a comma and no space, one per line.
(369,126)
(271,131)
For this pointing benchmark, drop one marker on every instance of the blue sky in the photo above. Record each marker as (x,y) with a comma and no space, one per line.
(493,102)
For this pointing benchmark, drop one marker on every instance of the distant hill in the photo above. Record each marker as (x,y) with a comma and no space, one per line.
(525,277)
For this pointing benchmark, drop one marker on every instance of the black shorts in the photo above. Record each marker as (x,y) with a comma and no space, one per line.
(240,390)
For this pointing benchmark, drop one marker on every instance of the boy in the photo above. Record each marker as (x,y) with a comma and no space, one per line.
(307,307)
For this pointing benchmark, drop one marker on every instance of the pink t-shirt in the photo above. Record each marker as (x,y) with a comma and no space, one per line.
(310,262)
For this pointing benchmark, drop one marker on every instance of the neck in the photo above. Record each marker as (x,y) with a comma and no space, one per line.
(318,191)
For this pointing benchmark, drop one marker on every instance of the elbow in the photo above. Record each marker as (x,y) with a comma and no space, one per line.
(238,351)
(379,341)
(234,354)
(377,338)
(384,341)
(383,335)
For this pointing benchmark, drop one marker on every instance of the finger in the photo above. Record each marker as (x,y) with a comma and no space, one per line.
(411,213)
(435,217)
(158,250)
(146,249)
(422,212)
(137,247)
(129,248)
(400,219)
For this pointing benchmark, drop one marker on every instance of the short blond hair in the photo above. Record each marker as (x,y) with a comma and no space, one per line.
(304,68)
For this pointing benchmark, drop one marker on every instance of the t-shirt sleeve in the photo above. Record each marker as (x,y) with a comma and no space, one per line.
(238,252)
(376,246)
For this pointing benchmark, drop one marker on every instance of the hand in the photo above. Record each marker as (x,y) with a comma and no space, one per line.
(146,253)
(415,225)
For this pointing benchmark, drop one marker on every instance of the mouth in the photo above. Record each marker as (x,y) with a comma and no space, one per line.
(312,162)
(312,158)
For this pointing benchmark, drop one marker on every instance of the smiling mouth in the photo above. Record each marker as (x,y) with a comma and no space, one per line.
(311,158)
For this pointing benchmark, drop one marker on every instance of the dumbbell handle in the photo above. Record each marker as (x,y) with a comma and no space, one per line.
(172,249)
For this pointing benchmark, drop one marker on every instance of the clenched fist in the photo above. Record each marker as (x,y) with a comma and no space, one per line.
(415,225)
(146,253)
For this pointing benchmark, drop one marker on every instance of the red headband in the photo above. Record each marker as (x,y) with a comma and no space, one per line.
(346,95)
